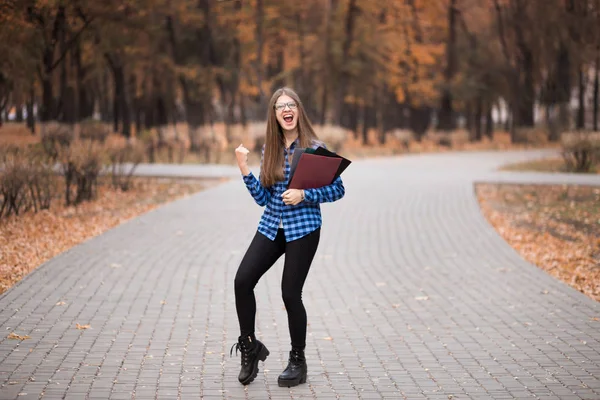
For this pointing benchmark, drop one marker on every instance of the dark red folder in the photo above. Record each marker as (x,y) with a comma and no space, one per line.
(314,171)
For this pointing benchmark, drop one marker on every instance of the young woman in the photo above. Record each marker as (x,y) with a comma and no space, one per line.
(290,224)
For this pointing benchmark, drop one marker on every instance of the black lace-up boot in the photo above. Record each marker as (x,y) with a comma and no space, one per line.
(296,370)
(252,351)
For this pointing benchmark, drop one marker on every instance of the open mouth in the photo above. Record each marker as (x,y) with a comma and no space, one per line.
(288,118)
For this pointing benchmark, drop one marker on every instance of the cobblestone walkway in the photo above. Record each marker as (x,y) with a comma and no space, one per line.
(412,295)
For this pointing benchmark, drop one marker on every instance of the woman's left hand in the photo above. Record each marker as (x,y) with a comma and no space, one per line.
(291,197)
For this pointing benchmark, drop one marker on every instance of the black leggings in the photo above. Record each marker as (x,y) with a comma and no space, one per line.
(260,256)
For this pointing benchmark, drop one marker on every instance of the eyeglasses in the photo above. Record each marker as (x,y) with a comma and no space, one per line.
(281,106)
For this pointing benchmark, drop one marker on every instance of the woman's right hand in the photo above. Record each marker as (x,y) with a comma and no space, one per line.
(241,154)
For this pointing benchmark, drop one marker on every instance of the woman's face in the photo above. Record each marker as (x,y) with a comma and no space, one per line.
(286,111)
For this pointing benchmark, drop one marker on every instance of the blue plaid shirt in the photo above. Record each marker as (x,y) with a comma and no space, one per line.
(298,220)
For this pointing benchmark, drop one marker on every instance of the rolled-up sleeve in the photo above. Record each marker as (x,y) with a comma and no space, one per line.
(326,194)
(260,194)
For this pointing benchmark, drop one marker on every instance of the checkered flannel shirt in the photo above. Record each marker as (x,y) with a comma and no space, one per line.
(298,220)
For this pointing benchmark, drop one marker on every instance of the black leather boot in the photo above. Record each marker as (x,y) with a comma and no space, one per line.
(252,351)
(296,370)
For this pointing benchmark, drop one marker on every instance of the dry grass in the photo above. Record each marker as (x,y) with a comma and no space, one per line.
(17,134)
(543,165)
(340,140)
(402,142)
(556,227)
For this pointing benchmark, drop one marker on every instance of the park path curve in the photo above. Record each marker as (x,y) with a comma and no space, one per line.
(412,295)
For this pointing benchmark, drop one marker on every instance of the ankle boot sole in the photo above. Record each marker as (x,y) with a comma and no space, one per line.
(291,382)
(262,356)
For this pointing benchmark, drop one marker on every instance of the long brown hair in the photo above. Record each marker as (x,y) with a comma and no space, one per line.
(272,166)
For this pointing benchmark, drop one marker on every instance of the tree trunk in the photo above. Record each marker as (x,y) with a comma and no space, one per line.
(116,109)
(446,117)
(276,68)
(564,120)
(235,81)
(122,115)
(469,117)
(420,119)
(30,103)
(125,109)
(259,17)
(352,121)
(344,74)
(19,112)
(243,115)
(104,95)
(559,94)
(365,125)
(478,117)
(393,113)
(48,111)
(508,121)
(331,7)
(137,115)
(226,101)
(489,122)
(47,106)
(58,32)
(195,111)
(581,109)
(523,92)
(69,105)
(85,102)
(526,99)
(301,77)
(196,96)
(378,107)
(61,113)
(162,117)
(136,106)
(596,92)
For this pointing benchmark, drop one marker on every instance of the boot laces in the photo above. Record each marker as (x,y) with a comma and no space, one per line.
(295,356)
(243,350)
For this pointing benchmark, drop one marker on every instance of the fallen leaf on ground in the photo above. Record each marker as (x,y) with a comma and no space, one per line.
(31,239)
(13,335)
(551,227)
(78,326)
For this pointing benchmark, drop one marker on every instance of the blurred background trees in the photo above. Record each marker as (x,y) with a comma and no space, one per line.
(362,65)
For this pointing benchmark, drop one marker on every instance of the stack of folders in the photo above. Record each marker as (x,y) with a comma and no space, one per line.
(314,168)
